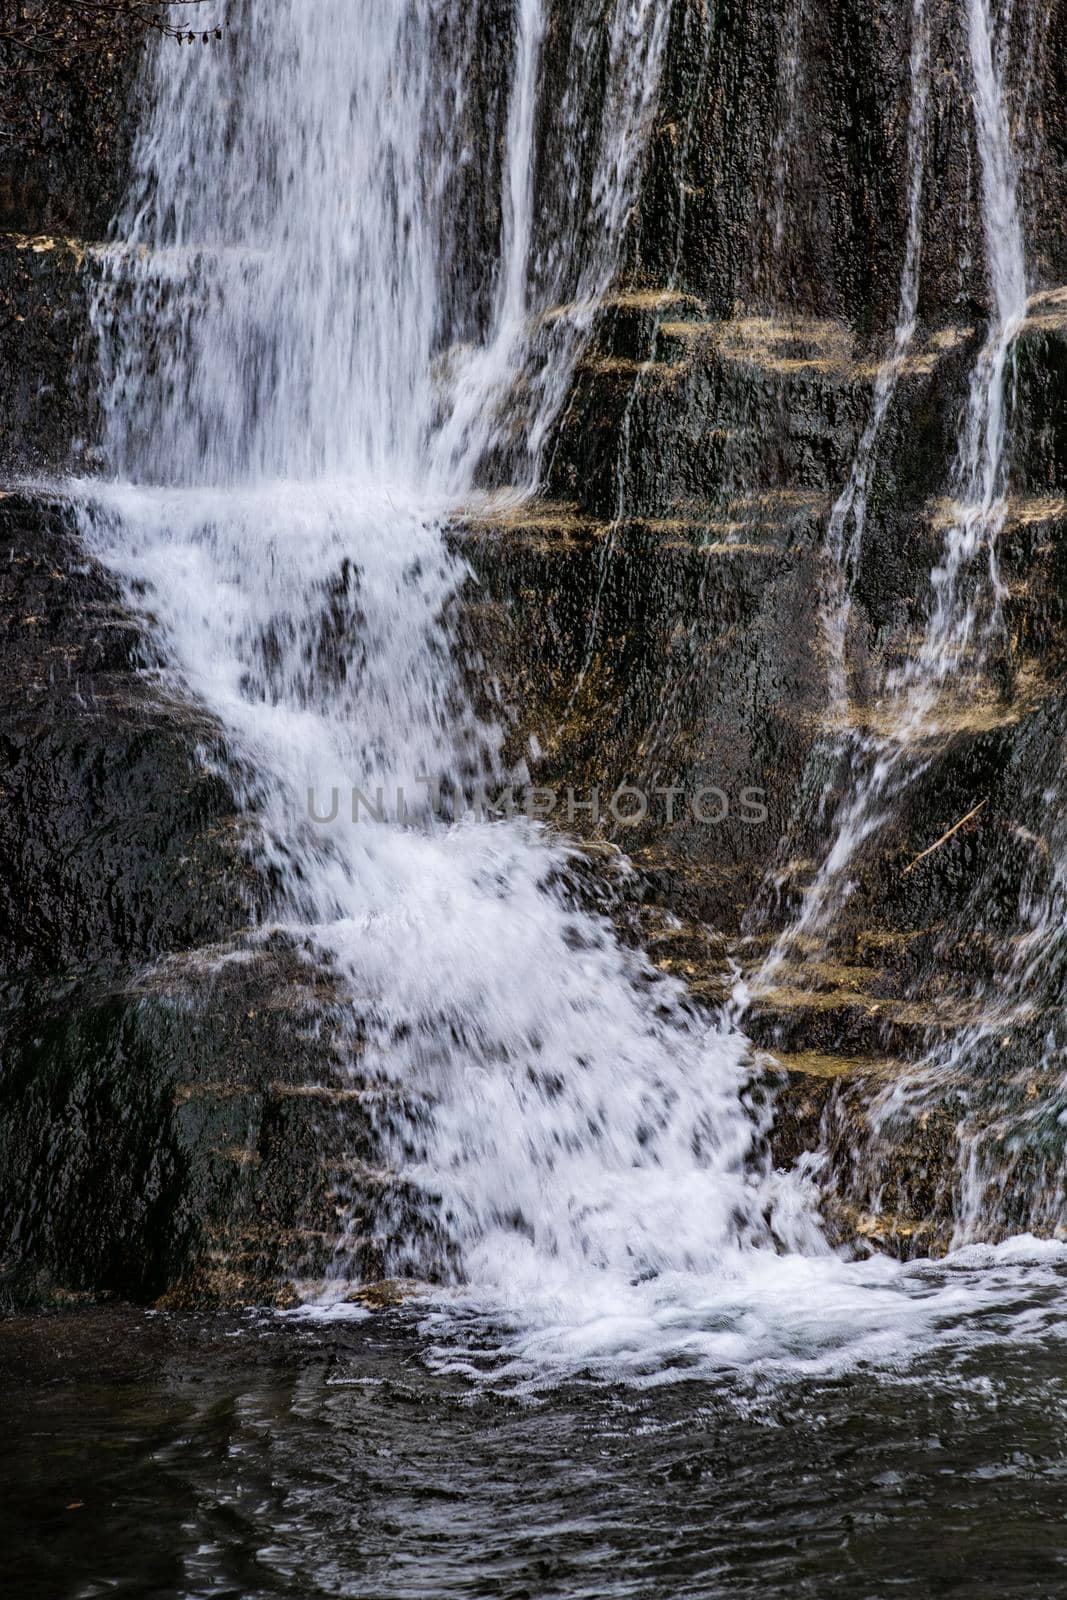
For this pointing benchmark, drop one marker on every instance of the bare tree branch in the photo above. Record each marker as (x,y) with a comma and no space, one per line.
(48,27)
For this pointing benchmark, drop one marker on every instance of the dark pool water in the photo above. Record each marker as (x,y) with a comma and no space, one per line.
(165,1455)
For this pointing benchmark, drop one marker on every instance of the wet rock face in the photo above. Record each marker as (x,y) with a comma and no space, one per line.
(68,116)
(657,619)
(173,1116)
(67,120)
(43,353)
(186,1133)
(777,174)
(116,845)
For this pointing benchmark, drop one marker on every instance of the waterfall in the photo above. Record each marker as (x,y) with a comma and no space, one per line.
(975,524)
(304,365)
(322,329)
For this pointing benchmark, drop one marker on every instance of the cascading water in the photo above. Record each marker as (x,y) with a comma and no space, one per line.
(1004,1102)
(843,548)
(966,590)
(1013,1155)
(961,595)
(843,545)
(294,451)
(312,342)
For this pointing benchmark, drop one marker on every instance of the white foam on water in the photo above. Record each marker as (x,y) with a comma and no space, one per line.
(764,1317)
(329,1311)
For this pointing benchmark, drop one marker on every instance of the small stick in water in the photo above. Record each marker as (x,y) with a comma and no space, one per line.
(956,826)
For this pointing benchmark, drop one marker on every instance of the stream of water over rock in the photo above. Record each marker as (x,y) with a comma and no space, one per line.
(999,1139)
(965,587)
(363,351)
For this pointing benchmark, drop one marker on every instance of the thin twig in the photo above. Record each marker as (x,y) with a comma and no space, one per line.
(73,23)
(944,837)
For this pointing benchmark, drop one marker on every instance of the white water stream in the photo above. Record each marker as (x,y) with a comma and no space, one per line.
(966,591)
(843,548)
(305,361)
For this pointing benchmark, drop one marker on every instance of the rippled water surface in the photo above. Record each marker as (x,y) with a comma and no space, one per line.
(169,1455)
